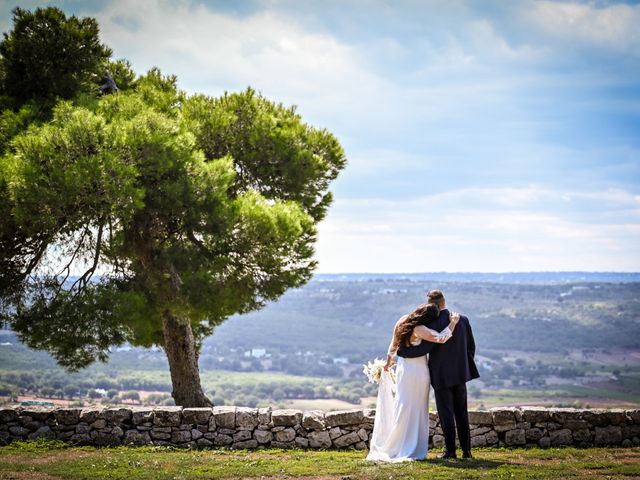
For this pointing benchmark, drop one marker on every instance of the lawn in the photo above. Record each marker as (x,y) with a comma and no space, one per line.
(51,460)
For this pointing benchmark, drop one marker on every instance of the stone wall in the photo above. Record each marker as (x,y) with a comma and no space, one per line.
(239,427)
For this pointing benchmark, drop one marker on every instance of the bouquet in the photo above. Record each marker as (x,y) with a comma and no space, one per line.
(374,368)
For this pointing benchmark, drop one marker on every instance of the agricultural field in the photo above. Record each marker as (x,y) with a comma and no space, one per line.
(542,339)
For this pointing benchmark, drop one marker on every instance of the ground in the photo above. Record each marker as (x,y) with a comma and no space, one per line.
(54,460)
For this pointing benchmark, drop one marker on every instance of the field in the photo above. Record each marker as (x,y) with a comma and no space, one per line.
(54,460)
(542,339)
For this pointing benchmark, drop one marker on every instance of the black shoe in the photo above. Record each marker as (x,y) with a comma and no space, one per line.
(447,455)
(467,455)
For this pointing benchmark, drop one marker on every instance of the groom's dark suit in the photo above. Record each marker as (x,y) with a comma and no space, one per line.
(451,365)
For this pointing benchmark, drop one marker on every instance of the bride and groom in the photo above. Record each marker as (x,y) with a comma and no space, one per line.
(434,346)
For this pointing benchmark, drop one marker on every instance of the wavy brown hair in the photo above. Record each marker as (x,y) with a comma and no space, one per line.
(424,313)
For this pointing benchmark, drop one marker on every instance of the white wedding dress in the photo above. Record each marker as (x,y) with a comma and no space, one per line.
(401,426)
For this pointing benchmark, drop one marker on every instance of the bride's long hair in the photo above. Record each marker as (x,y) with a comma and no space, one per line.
(427,312)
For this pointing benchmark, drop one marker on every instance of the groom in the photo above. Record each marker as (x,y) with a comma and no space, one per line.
(451,366)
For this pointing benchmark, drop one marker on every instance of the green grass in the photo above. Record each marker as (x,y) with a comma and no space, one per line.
(47,460)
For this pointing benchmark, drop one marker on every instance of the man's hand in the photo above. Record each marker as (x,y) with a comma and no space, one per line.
(455,317)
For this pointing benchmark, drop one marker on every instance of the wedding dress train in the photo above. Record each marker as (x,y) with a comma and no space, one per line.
(401,426)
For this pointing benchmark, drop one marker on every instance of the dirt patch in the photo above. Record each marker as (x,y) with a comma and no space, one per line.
(44,459)
(27,476)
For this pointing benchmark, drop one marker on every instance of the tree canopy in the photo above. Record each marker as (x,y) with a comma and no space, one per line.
(150,216)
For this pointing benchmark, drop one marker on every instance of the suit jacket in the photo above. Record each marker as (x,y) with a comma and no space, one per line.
(450,363)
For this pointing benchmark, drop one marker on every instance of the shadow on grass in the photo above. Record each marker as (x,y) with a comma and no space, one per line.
(466,464)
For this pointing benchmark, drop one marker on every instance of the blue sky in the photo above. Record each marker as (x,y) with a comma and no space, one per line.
(481,136)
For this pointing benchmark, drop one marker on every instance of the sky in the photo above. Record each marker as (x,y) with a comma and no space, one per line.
(492,136)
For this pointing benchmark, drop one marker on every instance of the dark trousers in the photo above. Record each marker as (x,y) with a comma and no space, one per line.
(452,410)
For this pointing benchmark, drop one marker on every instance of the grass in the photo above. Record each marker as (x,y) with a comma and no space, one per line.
(52,460)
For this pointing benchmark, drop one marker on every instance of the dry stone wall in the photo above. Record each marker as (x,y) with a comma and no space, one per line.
(240,427)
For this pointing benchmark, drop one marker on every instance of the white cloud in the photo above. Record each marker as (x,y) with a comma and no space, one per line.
(500,229)
(614,27)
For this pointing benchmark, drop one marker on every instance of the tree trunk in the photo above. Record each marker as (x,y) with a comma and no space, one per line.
(180,346)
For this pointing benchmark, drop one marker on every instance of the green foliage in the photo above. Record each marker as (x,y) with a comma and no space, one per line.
(49,56)
(184,212)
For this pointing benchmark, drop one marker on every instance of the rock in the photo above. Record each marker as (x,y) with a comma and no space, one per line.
(8,415)
(245,444)
(67,416)
(196,434)
(117,415)
(246,418)
(263,436)
(117,431)
(242,435)
(222,440)
(334,433)
(362,433)
(196,416)
(302,442)
(18,431)
(581,436)
(535,414)
(313,420)
(533,434)
(204,443)
(480,431)
(561,437)
(264,416)
(480,418)
(286,435)
(626,443)
(610,435)
(81,439)
(40,414)
(136,438)
(616,417)
(360,446)
(634,415)
(505,427)
(167,416)
(319,439)
(82,428)
(630,431)
(347,440)
(369,415)
(90,415)
(156,435)
(438,441)
(225,417)
(344,417)
(515,437)
(286,417)
(544,442)
(275,444)
(180,436)
(43,432)
(140,416)
(596,418)
(479,441)
(105,439)
(503,416)
(492,437)
(98,424)
(573,424)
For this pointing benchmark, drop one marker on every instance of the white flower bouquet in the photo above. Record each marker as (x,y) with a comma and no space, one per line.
(374,368)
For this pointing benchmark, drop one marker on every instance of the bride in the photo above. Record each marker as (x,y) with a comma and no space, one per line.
(401,426)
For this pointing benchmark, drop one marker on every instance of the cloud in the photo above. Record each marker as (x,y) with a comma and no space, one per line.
(612,27)
(484,229)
